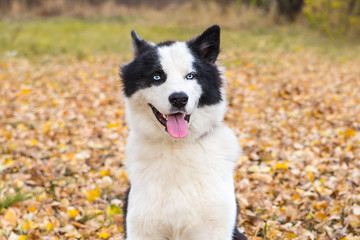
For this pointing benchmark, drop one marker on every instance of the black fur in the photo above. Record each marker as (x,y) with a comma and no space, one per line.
(236,234)
(207,45)
(208,77)
(206,48)
(140,46)
(139,73)
(125,208)
(166,43)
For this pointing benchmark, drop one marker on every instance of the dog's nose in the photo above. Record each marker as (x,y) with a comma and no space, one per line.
(178,99)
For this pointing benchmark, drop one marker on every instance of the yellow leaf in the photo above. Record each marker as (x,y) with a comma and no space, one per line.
(90,112)
(281,166)
(8,161)
(350,132)
(47,127)
(295,196)
(22,237)
(320,216)
(6,134)
(113,125)
(10,216)
(104,235)
(25,91)
(62,147)
(49,226)
(27,225)
(120,112)
(33,142)
(291,235)
(320,205)
(311,177)
(72,212)
(32,208)
(124,175)
(105,172)
(113,209)
(93,194)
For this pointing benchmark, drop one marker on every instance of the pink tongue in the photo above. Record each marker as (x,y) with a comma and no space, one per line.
(176,125)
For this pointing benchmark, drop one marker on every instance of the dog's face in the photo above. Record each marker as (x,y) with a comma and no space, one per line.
(174,86)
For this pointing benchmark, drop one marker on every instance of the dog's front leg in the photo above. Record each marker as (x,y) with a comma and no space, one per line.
(207,232)
(137,229)
(138,234)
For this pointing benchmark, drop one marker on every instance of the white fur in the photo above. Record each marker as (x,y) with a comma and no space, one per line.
(181,189)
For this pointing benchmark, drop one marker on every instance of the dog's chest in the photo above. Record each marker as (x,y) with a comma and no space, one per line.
(179,172)
(179,184)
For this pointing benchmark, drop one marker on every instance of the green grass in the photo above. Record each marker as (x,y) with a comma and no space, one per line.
(111,35)
(6,200)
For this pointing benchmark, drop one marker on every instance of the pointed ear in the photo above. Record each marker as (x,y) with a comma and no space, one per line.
(207,45)
(139,44)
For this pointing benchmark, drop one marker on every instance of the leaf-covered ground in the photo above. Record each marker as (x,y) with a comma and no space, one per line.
(297,117)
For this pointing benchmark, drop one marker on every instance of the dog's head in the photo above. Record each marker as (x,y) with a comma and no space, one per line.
(174,88)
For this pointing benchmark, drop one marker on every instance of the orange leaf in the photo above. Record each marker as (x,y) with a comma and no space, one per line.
(350,132)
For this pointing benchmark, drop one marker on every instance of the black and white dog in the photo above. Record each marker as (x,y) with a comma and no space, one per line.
(179,156)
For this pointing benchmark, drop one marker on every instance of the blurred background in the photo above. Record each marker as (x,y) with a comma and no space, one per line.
(292,70)
(59,22)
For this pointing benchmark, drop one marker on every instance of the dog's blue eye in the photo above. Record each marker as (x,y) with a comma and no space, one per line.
(190,76)
(157,77)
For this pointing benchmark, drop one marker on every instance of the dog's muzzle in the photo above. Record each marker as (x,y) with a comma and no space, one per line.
(175,124)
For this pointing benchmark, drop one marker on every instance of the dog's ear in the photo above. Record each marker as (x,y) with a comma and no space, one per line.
(139,44)
(207,45)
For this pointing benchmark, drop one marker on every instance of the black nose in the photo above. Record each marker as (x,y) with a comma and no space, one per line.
(178,99)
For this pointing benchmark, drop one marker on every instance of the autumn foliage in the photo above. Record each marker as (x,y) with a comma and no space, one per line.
(295,111)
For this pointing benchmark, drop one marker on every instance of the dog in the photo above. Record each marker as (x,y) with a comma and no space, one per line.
(179,154)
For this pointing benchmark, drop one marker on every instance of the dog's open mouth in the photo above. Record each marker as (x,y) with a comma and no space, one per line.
(175,124)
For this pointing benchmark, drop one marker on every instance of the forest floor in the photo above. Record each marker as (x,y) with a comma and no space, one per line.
(294,103)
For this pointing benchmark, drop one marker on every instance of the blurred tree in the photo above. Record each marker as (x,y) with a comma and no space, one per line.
(5,5)
(33,3)
(333,17)
(290,8)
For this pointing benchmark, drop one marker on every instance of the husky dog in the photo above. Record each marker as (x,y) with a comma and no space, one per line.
(179,155)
